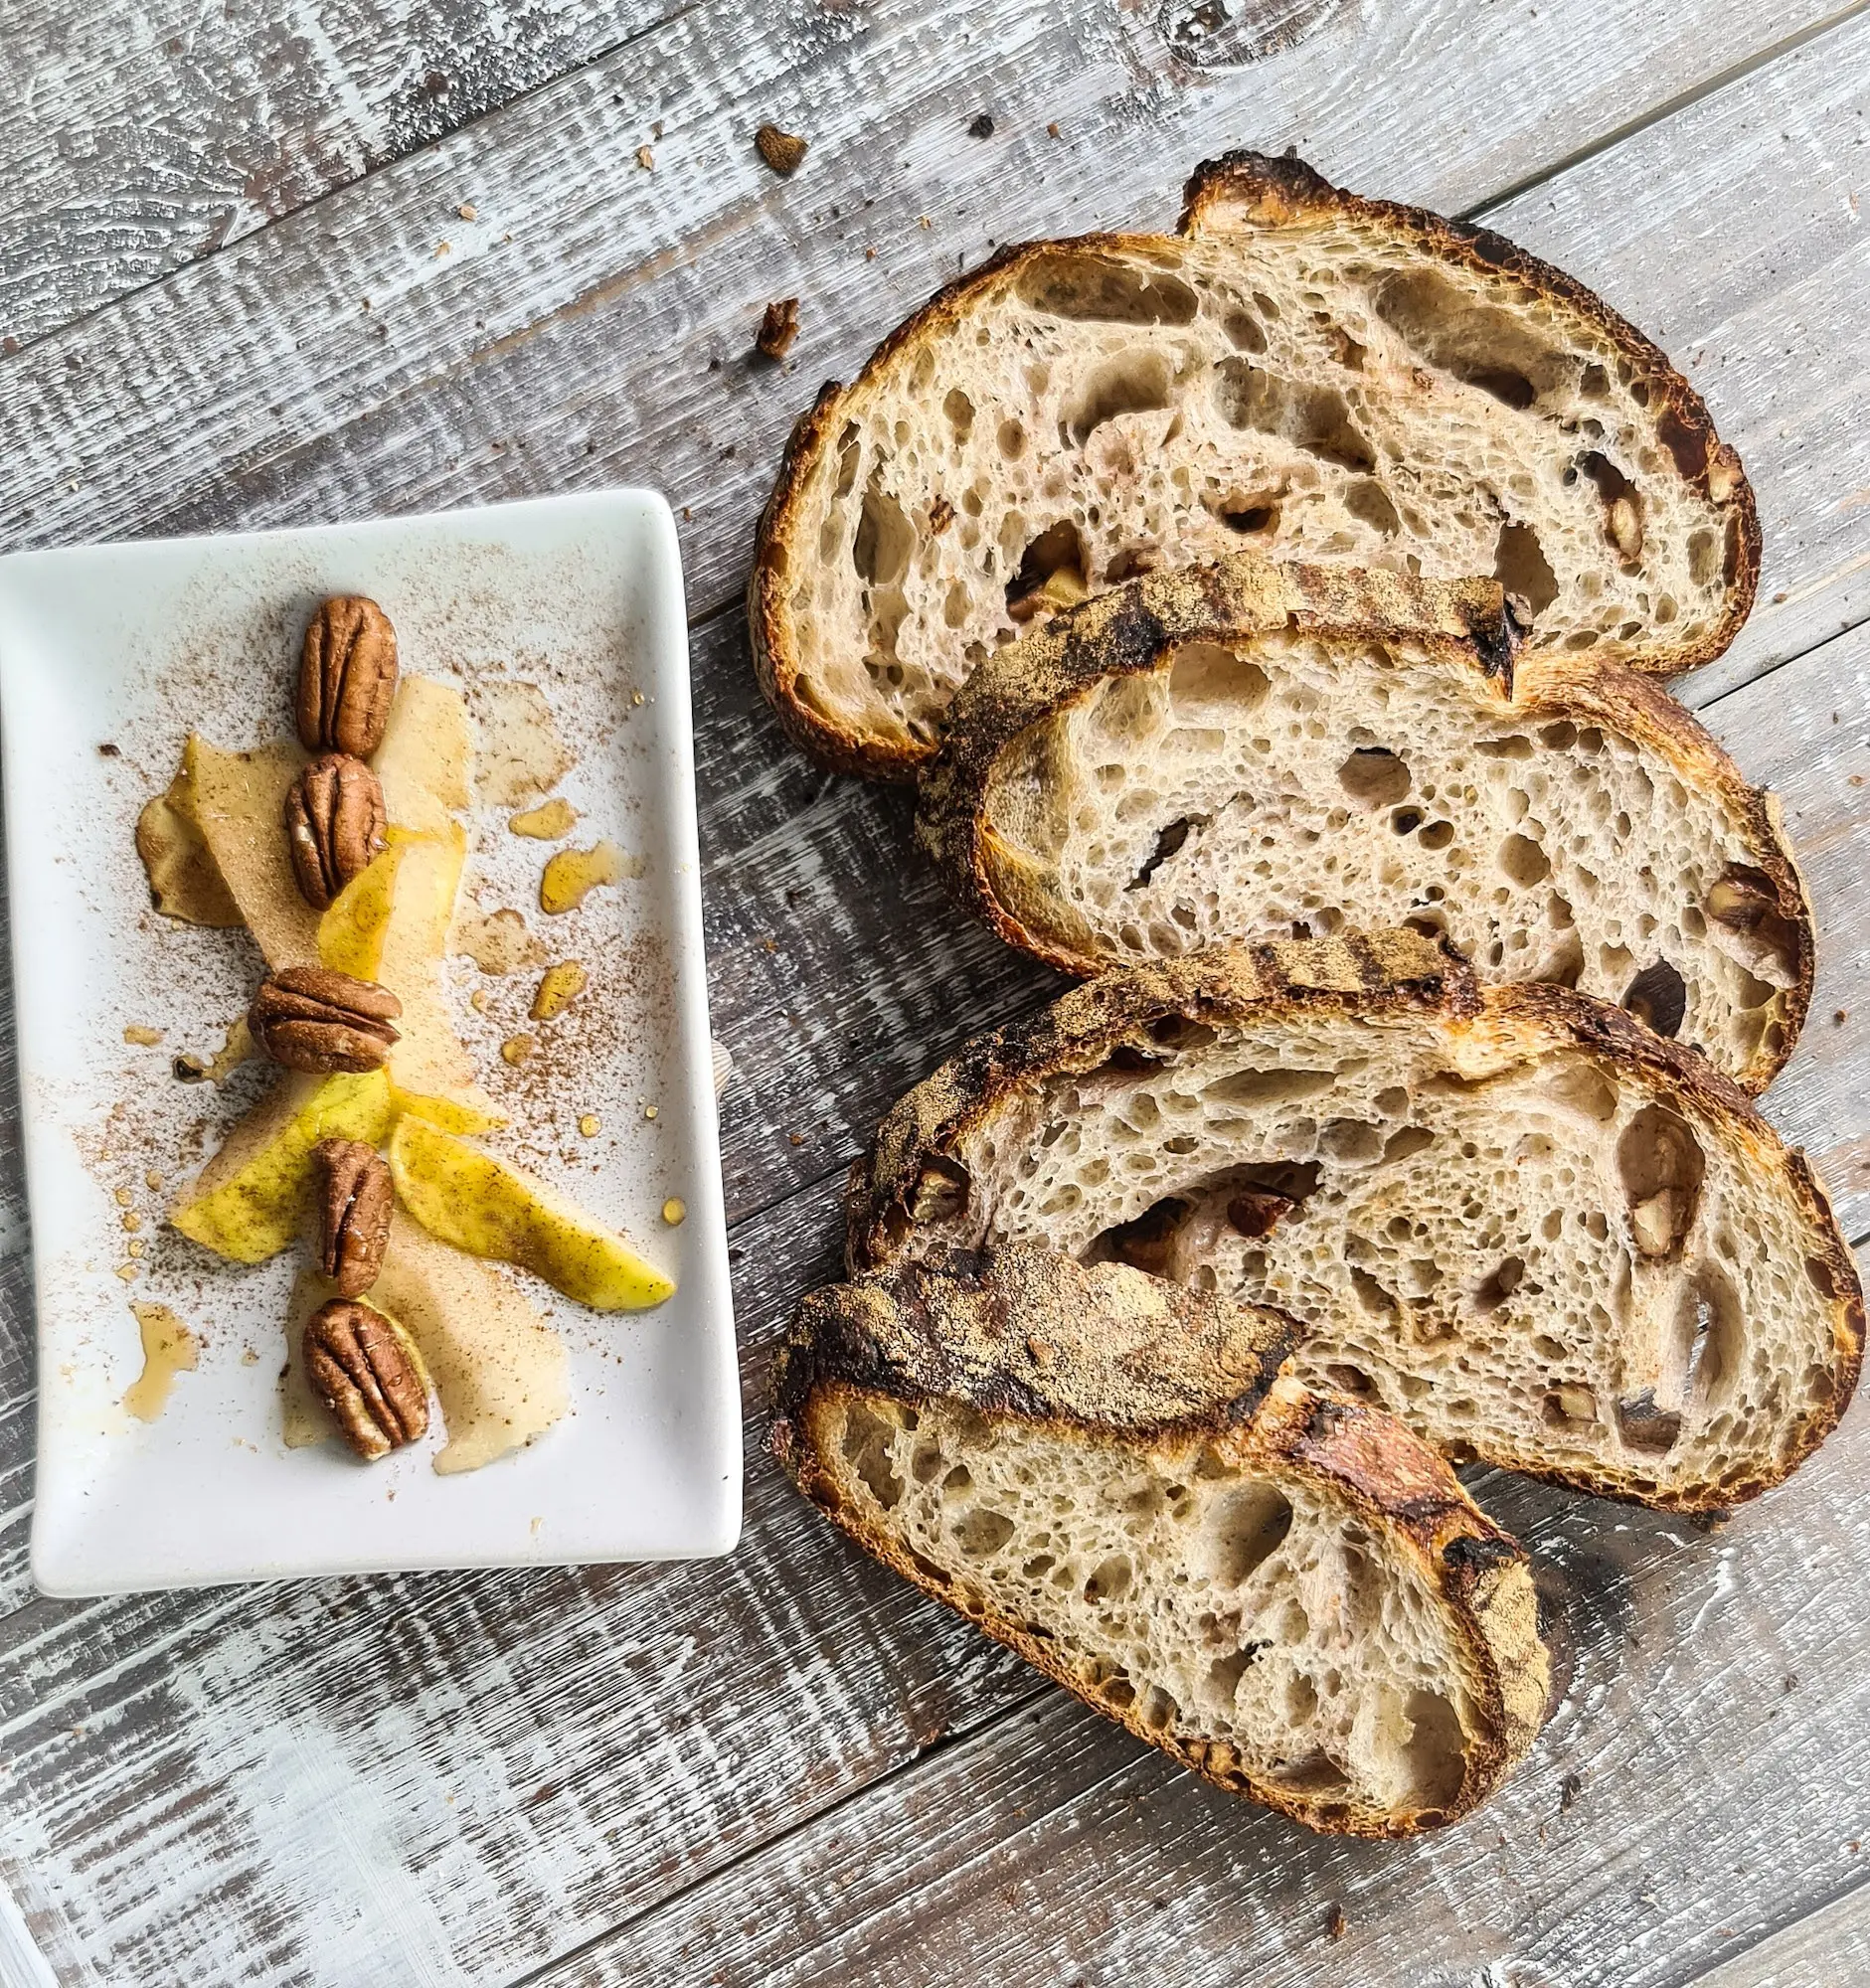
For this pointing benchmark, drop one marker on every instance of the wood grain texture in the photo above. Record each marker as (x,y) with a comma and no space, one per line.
(144,137)
(463,1778)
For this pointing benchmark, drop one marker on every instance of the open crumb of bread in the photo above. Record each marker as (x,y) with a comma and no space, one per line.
(1286,1592)
(1254,750)
(1511,1216)
(1299,369)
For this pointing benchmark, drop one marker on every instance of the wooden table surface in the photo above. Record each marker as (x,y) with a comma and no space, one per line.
(237,288)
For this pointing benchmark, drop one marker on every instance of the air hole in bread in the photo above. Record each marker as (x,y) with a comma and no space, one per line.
(1071,284)
(1209,673)
(1658,997)
(884,538)
(1109,1579)
(961,413)
(1146,1243)
(1169,840)
(1472,341)
(1661,1166)
(1256,1090)
(1435,1756)
(1133,383)
(981,1532)
(1050,572)
(1501,1286)
(1314,419)
(1523,863)
(1374,776)
(1368,501)
(1522,568)
(867,1442)
(1250,516)
(941,1191)
(850,449)
(1246,1524)
(1243,331)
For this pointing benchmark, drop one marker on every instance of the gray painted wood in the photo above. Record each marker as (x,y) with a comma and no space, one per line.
(454,1779)
(143,138)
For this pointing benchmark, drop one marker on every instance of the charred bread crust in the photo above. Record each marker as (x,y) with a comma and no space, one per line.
(1273,194)
(1396,1483)
(1269,193)
(1029,1333)
(1130,1010)
(1462,626)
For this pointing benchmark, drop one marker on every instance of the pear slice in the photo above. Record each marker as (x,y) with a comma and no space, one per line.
(394,921)
(427,759)
(498,1368)
(183,879)
(489,1208)
(238,801)
(248,1202)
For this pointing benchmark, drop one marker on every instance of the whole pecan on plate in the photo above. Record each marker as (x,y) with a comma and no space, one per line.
(355,1197)
(335,825)
(346,677)
(364,1370)
(310,1018)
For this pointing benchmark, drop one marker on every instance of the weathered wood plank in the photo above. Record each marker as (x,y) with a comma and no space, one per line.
(255,388)
(143,138)
(1831,1945)
(1704,1778)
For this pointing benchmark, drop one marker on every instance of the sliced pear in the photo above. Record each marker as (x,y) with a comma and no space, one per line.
(246,1203)
(350,933)
(183,879)
(489,1208)
(427,759)
(236,800)
(498,1368)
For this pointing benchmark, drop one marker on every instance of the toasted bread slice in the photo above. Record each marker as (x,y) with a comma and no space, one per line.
(1247,749)
(1513,1215)
(1324,377)
(1286,1592)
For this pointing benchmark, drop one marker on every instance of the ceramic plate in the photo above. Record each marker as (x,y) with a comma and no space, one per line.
(109,656)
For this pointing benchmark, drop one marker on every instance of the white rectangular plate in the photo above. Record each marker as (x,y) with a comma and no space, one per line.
(109,656)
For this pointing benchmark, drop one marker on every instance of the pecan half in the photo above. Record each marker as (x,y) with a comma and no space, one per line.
(335,825)
(310,1018)
(364,1371)
(354,1204)
(346,677)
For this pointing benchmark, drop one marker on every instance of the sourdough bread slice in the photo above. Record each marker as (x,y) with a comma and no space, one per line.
(1247,751)
(1320,376)
(1286,1592)
(1513,1215)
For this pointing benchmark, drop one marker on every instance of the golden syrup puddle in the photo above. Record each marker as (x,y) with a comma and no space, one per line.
(169,1348)
(547,822)
(573,874)
(559,987)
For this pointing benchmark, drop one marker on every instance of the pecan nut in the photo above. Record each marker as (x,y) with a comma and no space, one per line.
(335,825)
(310,1018)
(355,1200)
(346,677)
(365,1371)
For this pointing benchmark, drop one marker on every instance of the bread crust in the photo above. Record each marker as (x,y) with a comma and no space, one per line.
(1358,974)
(1395,1482)
(1240,190)
(1462,626)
